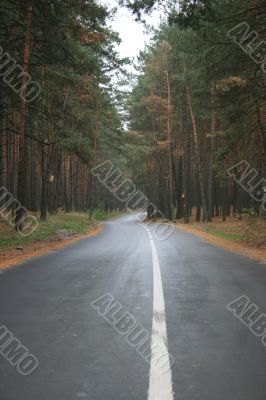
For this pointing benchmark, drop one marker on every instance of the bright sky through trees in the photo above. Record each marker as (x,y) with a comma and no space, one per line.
(132,33)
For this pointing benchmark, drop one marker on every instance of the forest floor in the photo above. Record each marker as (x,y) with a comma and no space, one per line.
(58,231)
(230,235)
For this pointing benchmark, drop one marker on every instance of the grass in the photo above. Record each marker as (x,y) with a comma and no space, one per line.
(77,222)
(224,234)
(100,215)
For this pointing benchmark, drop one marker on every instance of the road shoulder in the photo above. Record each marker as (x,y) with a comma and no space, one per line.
(12,257)
(258,254)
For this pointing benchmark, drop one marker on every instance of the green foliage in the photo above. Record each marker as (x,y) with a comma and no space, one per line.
(76,222)
(224,234)
(101,215)
(194,49)
(72,55)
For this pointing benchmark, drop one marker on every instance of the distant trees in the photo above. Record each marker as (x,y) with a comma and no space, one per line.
(217,108)
(49,145)
(198,106)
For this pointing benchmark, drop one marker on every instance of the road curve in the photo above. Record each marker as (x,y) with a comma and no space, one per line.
(46,304)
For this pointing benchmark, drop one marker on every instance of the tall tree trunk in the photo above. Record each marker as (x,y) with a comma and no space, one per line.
(92,187)
(198,202)
(21,185)
(3,158)
(186,176)
(224,202)
(210,177)
(34,175)
(197,153)
(1,133)
(170,146)
(44,183)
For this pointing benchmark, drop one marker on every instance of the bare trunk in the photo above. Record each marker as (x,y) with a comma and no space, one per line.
(210,177)
(197,152)
(21,185)
(44,183)
(170,146)
(92,188)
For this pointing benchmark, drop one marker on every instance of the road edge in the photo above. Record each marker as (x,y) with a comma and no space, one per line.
(41,250)
(234,247)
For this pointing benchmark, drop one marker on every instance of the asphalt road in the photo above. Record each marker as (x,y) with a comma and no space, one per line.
(46,304)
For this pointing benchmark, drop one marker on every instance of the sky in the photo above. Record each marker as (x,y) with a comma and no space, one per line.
(132,33)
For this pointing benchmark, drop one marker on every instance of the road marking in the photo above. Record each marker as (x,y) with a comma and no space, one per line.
(160,385)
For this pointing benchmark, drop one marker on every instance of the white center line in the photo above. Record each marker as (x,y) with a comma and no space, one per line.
(160,385)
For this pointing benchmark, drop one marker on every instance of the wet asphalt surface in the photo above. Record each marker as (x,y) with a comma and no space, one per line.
(46,304)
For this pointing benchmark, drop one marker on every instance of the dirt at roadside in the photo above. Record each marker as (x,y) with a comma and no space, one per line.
(15,256)
(233,226)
